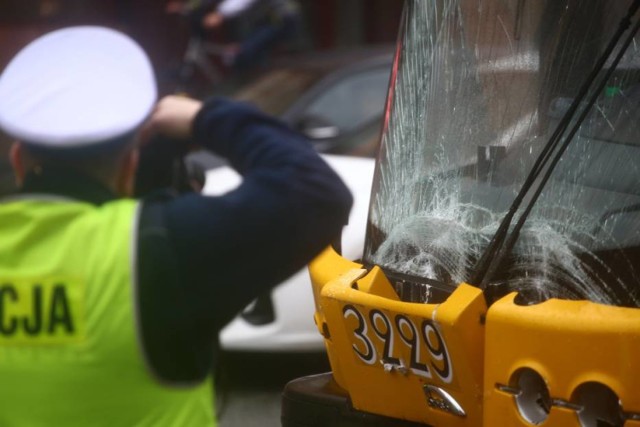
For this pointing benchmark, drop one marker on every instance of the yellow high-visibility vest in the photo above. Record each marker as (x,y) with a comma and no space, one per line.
(70,346)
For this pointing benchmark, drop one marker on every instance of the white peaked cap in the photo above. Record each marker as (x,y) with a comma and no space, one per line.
(76,87)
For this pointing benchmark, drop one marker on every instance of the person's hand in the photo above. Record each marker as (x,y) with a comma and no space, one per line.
(172,117)
(212,20)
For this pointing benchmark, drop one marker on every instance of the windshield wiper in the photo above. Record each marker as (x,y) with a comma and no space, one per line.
(503,240)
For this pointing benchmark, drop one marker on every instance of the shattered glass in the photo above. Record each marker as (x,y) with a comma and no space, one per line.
(478,88)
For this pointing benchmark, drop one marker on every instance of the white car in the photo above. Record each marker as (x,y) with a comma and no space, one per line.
(287,325)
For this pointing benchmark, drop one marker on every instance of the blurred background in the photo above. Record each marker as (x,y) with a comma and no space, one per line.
(325,27)
(330,84)
(326,24)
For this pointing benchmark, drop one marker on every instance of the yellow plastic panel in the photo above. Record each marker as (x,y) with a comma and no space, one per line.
(326,267)
(568,343)
(419,362)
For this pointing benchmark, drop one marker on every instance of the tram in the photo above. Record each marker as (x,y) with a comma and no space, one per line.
(500,281)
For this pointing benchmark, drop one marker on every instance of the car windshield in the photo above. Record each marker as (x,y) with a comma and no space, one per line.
(478,88)
(276,91)
(354,100)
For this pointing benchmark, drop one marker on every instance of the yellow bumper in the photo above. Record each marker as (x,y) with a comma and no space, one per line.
(459,364)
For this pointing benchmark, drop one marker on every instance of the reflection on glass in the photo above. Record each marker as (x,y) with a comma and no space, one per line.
(480,86)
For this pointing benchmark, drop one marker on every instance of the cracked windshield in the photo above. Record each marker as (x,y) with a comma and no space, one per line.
(478,89)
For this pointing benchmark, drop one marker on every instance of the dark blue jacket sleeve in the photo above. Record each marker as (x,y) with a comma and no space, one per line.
(222,252)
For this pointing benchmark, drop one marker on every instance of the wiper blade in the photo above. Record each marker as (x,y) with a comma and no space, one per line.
(503,242)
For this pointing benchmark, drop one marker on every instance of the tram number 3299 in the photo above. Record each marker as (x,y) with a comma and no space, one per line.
(417,336)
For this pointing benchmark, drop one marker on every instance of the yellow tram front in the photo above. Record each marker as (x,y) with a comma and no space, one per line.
(500,282)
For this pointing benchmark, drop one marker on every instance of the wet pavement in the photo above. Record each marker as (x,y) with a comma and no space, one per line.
(250,385)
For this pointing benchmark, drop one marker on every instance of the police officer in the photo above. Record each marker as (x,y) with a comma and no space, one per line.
(109,305)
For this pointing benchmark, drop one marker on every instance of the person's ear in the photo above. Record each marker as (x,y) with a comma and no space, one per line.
(17,162)
(125,184)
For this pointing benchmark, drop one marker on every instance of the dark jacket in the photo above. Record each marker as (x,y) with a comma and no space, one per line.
(202,259)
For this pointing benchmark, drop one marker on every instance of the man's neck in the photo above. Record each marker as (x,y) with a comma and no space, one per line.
(69,183)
